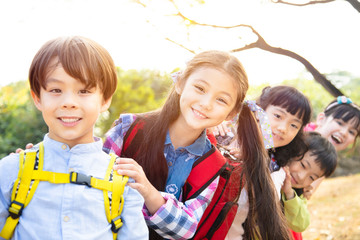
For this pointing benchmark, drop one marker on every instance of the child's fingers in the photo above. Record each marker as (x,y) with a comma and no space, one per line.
(223,129)
(235,152)
(29,145)
(125,160)
(215,131)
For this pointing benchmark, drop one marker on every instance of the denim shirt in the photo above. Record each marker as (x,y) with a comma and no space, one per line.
(180,161)
(70,211)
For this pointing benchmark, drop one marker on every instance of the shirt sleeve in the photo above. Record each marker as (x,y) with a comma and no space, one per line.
(296,212)
(115,136)
(278,178)
(134,227)
(9,167)
(177,220)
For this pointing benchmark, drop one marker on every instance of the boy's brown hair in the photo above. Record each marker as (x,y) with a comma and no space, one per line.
(81,58)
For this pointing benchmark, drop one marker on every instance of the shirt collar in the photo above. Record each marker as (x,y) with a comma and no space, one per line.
(197,148)
(79,148)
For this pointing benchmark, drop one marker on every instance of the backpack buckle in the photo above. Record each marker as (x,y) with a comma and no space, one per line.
(80,179)
(116,224)
(16,209)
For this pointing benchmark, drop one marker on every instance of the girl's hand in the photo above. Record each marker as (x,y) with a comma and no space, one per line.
(220,129)
(287,189)
(152,197)
(308,192)
(28,146)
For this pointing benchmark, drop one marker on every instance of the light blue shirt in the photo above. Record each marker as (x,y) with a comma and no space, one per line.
(181,160)
(70,211)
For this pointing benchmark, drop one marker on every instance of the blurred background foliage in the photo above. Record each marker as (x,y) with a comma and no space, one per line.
(146,90)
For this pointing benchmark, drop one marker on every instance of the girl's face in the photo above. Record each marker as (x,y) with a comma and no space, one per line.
(284,125)
(341,134)
(207,99)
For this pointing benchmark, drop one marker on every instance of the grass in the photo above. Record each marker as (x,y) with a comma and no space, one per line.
(335,210)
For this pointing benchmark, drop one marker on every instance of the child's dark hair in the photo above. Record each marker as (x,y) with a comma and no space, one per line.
(346,112)
(295,103)
(264,207)
(81,58)
(324,151)
(151,151)
(151,154)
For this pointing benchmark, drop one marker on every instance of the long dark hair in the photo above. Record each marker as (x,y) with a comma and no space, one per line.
(265,219)
(295,103)
(151,151)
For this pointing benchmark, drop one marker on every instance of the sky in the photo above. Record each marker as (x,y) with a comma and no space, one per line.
(325,34)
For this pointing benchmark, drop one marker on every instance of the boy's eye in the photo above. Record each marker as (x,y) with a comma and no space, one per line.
(312,178)
(302,165)
(84,91)
(295,126)
(55,90)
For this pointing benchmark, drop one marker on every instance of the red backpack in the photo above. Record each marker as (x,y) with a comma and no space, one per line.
(220,213)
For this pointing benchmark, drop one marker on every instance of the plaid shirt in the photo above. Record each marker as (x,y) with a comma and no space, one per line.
(175,219)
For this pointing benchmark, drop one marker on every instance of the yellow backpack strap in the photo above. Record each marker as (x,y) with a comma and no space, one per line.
(114,204)
(23,189)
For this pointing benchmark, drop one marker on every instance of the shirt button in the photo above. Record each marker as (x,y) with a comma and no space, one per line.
(170,164)
(63,146)
(66,219)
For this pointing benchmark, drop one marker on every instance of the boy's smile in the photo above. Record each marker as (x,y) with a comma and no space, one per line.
(69,108)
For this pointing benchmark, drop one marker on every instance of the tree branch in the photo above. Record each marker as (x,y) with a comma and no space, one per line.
(302,4)
(180,45)
(354,3)
(262,44)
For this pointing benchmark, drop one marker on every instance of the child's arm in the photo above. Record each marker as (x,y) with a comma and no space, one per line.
(134,223)
(296,212)
(152,197)
(171,218)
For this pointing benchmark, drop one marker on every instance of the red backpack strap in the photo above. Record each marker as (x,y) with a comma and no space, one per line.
(204,171)
(130,144)
(220,213)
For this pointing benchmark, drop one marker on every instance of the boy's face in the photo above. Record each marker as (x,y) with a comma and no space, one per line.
(341,134)
(69,109)
(284,125)
(305,171)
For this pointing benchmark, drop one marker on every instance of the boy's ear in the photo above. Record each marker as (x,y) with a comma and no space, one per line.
(36,100)
(320,119)
(106,104)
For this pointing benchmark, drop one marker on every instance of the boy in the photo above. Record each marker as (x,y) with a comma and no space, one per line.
(320,160)
(72,81)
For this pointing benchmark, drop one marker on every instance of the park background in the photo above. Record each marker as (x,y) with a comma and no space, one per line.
(311,45)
